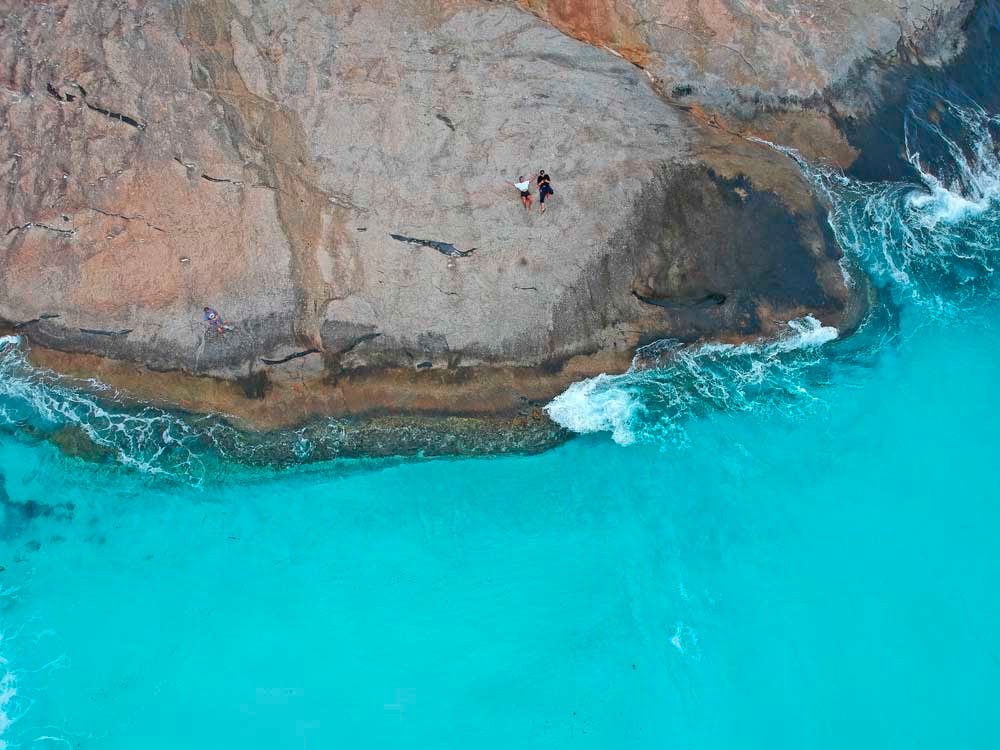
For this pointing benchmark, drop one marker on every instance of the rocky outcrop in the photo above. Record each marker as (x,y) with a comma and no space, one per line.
(334,178)
(740,55)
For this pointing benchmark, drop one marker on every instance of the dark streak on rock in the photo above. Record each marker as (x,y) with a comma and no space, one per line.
(56,230)
(709,300)
(290,357)
(220,179)
(137,217)
(64,232)
(116,116)
(94,107)
(446,120)
(96,332)
(51,89)
(39,319)
(445,248)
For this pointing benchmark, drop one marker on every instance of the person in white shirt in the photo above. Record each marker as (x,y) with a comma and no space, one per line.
(525,187)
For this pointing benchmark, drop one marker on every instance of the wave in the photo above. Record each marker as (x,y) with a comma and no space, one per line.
(669,384)
(960,166)
(150,440)
(930,246)
(154,442)
(195,449)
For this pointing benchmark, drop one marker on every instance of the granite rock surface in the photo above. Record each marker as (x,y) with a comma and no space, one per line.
(334,178)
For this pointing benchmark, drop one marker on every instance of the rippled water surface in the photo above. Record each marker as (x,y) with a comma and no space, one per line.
(787,544)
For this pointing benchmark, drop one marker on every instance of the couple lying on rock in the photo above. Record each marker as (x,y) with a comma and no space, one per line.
(544,189)
(215,321)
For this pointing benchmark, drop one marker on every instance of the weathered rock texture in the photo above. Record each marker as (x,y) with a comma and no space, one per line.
(732,53)
(258,156)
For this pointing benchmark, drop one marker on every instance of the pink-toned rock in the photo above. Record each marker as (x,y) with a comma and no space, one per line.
(258,157)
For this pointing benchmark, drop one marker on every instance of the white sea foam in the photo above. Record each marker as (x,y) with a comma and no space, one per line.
(933,244)
(808,333)
(685,640)
(596,405)
(669,383)
(976,181)
(940,204)
(150,440)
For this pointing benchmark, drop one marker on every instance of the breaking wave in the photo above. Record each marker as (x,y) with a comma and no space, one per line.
(928,246)
(652,403)
(151,440)
(92,420)
(932,243)
(155,442)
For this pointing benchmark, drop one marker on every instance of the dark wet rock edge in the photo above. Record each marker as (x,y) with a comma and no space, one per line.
(742,251)
(882,91)
(323,440)
(255,339)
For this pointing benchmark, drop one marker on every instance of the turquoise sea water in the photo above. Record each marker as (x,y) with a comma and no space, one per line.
(787,545)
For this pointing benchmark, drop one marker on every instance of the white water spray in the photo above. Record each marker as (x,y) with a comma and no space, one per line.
(149,440)
(650,402)
(930,245)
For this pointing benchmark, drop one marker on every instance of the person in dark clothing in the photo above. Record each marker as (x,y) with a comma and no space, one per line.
(544,188)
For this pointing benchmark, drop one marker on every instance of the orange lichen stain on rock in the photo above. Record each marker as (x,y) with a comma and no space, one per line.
(128,250)
(602,23)
(813,134)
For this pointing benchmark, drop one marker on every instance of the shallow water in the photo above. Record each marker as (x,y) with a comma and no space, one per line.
(809,581)
(795,549)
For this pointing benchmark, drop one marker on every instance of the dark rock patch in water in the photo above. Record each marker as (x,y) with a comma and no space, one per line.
(17,517)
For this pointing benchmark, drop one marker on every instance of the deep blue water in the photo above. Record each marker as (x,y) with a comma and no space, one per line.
(783,545)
